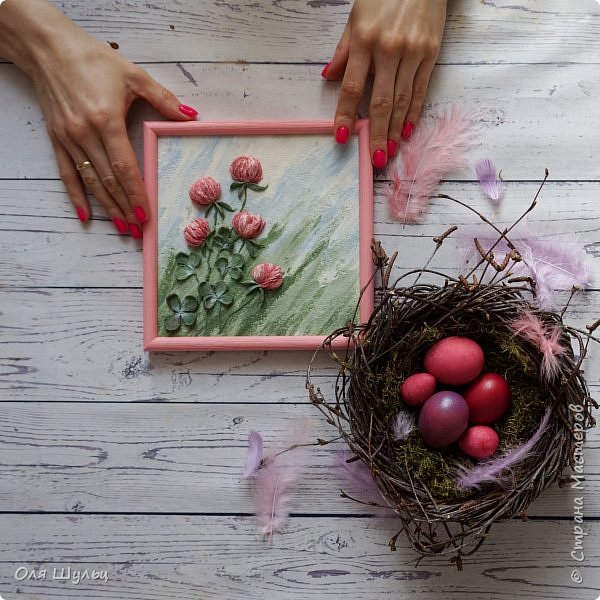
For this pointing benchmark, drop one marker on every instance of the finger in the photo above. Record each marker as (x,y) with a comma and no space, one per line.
(419,93)
(351,92)
(96,153)
(163,100)
(92,183)
(380,109)
(124,165)
(70,178)
(335,68)
(403,92)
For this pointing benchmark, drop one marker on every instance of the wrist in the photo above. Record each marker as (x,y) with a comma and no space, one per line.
(30,31)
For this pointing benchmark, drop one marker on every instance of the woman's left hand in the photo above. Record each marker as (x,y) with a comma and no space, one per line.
(399,40)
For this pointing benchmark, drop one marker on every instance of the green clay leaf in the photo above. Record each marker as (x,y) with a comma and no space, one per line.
(223,231)
(172,323)
(182,258)
(195,260)
(257,188)
(236,261)
(226,299)
(222,264)
(226,206)
(189,304)
(220,288)
(210,301)
(188,318)
(205,289)
(235,273)
(173,302)
(235,185)
(182,272)
(251,250)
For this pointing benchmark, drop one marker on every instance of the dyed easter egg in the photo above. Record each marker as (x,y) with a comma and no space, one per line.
(454,360)
(488,398)
(443,419)
(479,441)
(417,388)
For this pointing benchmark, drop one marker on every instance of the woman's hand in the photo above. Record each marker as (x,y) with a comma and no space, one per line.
(399,41)
(85,89)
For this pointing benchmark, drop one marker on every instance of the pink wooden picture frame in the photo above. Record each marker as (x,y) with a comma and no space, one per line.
(318,214)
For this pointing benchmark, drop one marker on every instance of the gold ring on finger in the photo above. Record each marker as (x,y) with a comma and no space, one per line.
(82,166)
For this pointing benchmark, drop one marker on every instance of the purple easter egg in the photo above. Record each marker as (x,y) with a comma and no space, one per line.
(443,419)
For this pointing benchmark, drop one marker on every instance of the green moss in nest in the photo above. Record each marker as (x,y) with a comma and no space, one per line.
(432,466)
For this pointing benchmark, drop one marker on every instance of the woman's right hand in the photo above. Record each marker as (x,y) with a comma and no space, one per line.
(85,89)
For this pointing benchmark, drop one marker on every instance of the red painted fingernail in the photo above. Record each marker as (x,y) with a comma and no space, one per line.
(407,130)
(140,214)
(121,226)
(379,159)
(136,232)
(392,145)
(81,214)
(188,111)
(341,135)
(325,69)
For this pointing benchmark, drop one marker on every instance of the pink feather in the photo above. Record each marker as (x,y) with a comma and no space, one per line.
(492,470)
(437,148)
(546,338)
(276,480)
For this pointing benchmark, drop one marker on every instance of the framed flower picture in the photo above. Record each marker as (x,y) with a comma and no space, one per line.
(259,236)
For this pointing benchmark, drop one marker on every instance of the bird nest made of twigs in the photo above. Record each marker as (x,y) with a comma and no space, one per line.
(422,485)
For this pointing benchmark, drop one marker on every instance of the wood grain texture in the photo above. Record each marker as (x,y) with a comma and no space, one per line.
(291,31)
(186,457)
(222,558)
(528,115)
(92,427)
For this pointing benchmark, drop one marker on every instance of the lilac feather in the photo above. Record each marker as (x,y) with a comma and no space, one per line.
(278,477)
(553,265)
(437,147)
(254,454)
(489,182)
(493,470)
(358,482)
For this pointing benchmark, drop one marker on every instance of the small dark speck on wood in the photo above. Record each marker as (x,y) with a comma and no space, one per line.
(171,27)
(113,45)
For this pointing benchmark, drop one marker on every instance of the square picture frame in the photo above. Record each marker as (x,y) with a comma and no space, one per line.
(283,275)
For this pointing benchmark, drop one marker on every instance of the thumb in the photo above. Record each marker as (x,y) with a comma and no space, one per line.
(163,100)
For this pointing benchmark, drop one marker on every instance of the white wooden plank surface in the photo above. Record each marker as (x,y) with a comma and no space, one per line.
(535,31)
(532,116)
(120,455)
(92,424)
(211,558)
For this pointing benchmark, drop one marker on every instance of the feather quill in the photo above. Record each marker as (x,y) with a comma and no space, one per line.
(276,480)
(253,455)
(493,470)
(437,148)
(546,338)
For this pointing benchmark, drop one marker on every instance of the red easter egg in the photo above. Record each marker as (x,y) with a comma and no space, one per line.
(417,388)
(454,360)
(488,398)
(479,441)
(443,419)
